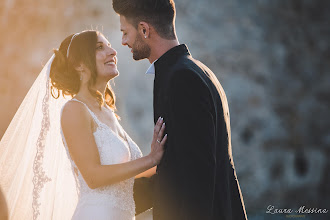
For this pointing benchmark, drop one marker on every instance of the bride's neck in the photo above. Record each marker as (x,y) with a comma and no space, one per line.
(85,95)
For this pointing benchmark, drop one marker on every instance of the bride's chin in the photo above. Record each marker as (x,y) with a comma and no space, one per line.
(113,75)
(116,73)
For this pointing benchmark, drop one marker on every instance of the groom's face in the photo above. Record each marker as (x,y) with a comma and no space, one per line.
(133,40)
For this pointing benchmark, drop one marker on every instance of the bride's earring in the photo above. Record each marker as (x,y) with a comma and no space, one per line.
(81,70)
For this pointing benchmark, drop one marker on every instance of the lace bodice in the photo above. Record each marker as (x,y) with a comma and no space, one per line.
(112,150)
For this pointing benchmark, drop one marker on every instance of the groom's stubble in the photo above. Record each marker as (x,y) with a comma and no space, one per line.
(141,50)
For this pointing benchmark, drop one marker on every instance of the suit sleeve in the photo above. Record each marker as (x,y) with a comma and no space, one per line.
(192,139)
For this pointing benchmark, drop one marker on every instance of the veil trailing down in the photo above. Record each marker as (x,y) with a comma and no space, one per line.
(35,171)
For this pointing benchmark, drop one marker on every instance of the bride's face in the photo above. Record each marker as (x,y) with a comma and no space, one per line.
(106,59)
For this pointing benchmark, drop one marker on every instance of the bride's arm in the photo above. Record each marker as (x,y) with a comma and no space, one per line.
(3,207)
(76,125)
(147,173)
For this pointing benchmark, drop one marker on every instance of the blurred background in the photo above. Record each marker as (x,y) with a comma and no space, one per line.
(271,57)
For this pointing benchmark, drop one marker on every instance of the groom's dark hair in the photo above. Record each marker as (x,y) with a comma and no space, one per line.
(159,13)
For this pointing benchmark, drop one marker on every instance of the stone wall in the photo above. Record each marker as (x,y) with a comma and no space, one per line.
(272,58)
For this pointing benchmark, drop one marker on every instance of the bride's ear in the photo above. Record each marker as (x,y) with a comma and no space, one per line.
(83,72)
(80,68)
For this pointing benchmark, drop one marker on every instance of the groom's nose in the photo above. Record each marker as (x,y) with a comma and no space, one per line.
(124,41)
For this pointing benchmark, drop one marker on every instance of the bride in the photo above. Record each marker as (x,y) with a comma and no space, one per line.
(71,159)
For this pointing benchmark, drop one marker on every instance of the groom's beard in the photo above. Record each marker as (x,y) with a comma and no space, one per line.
(141,50)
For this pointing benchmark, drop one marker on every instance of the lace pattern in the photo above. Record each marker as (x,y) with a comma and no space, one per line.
(112,150)
(35,172)
(39,175)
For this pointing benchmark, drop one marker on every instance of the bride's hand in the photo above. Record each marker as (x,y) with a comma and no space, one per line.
(158,142)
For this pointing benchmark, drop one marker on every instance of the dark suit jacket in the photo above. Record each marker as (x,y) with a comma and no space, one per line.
(196,178)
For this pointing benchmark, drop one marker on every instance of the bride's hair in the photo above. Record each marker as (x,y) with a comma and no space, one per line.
(65,79)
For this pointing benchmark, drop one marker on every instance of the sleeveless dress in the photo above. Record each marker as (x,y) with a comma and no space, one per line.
(114,201)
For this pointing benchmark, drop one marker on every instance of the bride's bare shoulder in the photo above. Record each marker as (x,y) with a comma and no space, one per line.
(75,114)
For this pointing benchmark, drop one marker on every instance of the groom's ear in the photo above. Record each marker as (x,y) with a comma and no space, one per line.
(144,29)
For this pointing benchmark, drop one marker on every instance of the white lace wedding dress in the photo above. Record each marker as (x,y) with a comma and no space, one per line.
(114,201)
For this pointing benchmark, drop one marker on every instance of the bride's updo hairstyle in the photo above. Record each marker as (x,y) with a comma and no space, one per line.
(65,79)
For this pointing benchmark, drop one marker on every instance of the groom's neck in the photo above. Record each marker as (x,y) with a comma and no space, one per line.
(161,46)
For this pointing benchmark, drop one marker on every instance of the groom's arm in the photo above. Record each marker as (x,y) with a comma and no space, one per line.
(143,193)
(192,140)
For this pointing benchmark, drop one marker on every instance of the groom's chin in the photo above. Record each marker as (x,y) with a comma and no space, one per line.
(138,58)
(140,55)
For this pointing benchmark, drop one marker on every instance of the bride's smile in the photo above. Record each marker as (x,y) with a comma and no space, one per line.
(106,59)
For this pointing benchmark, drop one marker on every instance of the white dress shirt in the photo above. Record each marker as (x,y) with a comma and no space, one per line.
(151,69)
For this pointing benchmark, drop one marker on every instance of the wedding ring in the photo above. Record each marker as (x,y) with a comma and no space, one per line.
(158,141)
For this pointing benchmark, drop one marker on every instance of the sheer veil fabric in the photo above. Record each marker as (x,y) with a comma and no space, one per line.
(35,171)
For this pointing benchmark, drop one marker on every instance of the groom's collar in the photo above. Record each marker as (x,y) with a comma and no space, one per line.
(151,69)
(168,58)
(172,55)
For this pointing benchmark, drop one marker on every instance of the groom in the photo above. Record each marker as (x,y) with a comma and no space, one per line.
(196,178)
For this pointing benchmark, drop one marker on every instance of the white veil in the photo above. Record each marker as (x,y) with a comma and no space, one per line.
(35,171)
